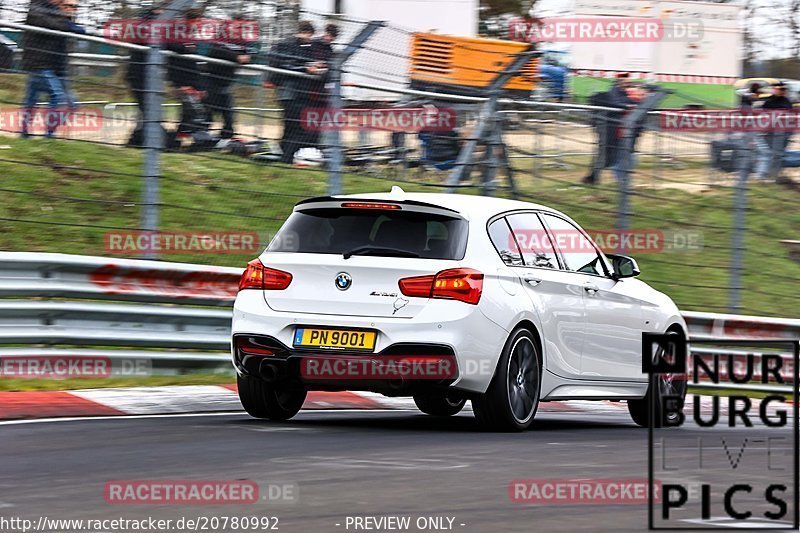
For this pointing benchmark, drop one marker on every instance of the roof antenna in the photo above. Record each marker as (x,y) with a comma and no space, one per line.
(396,190)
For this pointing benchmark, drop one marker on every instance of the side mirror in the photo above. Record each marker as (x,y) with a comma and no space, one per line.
(624,267)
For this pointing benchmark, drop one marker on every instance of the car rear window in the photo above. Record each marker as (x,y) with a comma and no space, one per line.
(339,230)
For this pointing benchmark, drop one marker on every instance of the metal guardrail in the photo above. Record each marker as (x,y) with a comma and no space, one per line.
(75,276)
(161,310)
(719,325)
(136,310)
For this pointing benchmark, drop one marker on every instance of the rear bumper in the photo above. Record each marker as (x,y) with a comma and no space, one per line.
(453,331)
(400,369)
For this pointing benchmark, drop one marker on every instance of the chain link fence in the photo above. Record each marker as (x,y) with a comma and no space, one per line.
(202,145)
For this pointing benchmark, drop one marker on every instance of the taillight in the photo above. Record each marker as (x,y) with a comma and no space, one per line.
(370,205)
(419,287)
(462,284)
(248,348)
(257,276)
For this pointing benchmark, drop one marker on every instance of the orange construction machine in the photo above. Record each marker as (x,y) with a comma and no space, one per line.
(467,65)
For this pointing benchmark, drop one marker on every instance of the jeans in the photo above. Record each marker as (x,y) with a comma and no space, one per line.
(763,155)
(770,148)
(56,87)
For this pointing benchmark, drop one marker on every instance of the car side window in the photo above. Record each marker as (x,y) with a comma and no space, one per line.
(503,241)
(579,253)
(537,250)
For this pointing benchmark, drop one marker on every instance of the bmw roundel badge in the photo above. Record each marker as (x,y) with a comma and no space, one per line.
(343,281)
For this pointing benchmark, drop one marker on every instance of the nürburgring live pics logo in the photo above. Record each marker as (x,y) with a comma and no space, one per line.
(734,463)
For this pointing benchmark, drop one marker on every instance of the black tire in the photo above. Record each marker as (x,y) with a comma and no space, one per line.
(267,400)
(512,399)
(666,385)
(440,403)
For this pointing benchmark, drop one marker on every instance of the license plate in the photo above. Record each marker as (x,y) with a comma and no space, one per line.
(336,339)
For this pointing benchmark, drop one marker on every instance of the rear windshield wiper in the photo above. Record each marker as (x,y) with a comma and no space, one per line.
(378,250)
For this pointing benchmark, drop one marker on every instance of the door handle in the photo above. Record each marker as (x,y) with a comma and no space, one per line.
(530,280)
(591,289)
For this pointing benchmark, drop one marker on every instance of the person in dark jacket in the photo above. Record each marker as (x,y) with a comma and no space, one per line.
(219,98)
(183,72)
(323,45)
(295,54)
(45,58)
(608,125)
(778,99)
(749,96)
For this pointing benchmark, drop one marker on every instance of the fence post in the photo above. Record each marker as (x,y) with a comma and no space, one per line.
(493,142)
(737,239)
(487,114)
(625,164)
(153,141)
(336,160)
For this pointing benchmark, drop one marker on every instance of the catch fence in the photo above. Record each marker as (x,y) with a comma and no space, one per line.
(98,185)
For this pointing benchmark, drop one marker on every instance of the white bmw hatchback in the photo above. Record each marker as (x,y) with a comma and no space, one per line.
(446,298)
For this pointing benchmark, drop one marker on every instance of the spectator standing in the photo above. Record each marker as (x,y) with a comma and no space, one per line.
(608,126)
(323,45)
(295,54)
(774,143)
(45,58)
(749,96)
(219,98)
(619,94)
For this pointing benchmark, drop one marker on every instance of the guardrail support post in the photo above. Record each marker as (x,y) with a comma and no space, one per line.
(625,164)
(153,143)
(336,160)
(153,133)
(483,131)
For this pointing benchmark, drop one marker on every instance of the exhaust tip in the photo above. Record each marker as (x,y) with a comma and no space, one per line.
(268,371)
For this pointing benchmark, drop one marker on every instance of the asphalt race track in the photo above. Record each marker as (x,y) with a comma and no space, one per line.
(343,463)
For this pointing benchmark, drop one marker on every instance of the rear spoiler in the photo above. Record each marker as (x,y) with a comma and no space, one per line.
(341,200)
